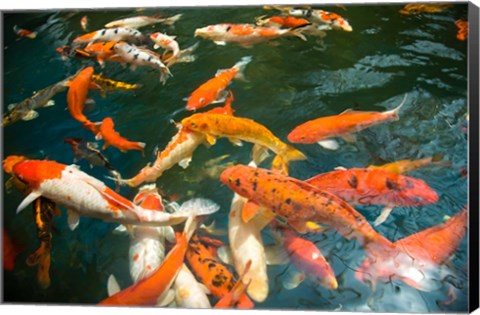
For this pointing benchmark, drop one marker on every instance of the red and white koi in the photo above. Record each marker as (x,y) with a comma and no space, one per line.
(166,42)
(323,18)
(112,34)
(84,195)
(140,21)
(135,56)
(24,33)
(244,34)
(84,22)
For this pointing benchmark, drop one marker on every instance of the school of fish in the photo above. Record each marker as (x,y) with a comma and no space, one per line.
(174,259)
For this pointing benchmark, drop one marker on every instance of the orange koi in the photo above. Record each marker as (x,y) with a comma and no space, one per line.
(404,166)
(237,129)
(462,33)
(24,33)
(113,138)
(84,22)
(321,130)
(245,34)
(282,21)
(410,9)
(147,291)
(213,274)
(366,187)
(429,248)
(227,108)
(103,51)
(238,290)
(77,96)
(214,90)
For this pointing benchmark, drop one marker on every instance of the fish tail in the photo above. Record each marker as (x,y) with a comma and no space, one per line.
(293,154)
(184,55)
(171,20)
(164,74)
(240,66)
(394,112)
(297,31)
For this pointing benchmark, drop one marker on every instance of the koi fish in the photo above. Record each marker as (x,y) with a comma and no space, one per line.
(214,90)
(462,33)
(113,138)
(10,251)
(306,257)
(232,297)
(189,293)
(411,9)
(237,129)
(26,109)
(84,22)
(147,291)
(212,273)
(14,182)
(69,51)
(24,33)
(321,130)
(43,211)
(323,18)
(106,84)
(77,96)
(281,21)
(135,56)
(178,150)
(429,248)
(112,34)
(245,34)
(140,21)
(166,42)
(103,51)
(405,166)
(367,187)
(84,195)
(183,56)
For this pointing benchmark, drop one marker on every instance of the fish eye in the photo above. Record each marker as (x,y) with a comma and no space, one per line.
(201,100)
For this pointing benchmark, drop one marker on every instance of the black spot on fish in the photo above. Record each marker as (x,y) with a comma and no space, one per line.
(409,183)
(353,182)
(129,51)
(297,207)
(288,201)
(237,182)
(102,32)
(254,186)
(228,28)
(274,190)
(149,58)
(116,31)
(135,56)
(211,265)
(308,13)
(391,185)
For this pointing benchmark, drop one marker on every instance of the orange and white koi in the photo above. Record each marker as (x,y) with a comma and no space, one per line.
(362,186)
(405,166)
(238,129)
(103,51)
(306,257)
(281,21)
(84,195)
(323,18)
(212,273)
(77,96)
(24,33)
(427,249)
(231,298)
(417,8)
(147,291)
(245,34)
(84,22)
(135,56)
(178,150)
(166,42)
(322,129)
(214,90)
(113,138)
(112,34)
(462,33)
(189,293)
(140,21)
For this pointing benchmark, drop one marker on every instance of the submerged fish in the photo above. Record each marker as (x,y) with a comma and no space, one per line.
(462,33)
(321,130)
(84,22)
(140,21)
(26,110)
(24,33)
(10,251)
(113,34)
(88,151)
(322,18)
(84,195)
(405,166)
(282,21)
(362,186)
(214,90)
(113,138)
(103,51)
(107,84)
(70,51)
(417,8)
(245,34)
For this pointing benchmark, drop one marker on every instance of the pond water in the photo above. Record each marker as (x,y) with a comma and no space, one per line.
(289,81)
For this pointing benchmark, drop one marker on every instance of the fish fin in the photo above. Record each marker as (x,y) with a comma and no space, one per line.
(98,136)
(169,233)
(297,31)
(30,115)
(9,185)
(349,138)
(10,107)
(225,254)
(259,153)
(340,168)
(171,20)
(184,163)
(220,42)
(329,144)
(120,229)
(249,210)
(293,279)
(133,67)
(276,255)
(204,288)
(240,66)
(394,112)
(263,218)
(221,97)
(211,140)
(73,219)
(235,141)
(109,194)
(314,227)
(211,229)
(28,200)
(383,215)
(49,103)
(166,298)
(156,46)
(292,154)
(299,225)
(112,286)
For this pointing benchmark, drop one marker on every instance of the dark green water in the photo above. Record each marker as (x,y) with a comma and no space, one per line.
(289,82)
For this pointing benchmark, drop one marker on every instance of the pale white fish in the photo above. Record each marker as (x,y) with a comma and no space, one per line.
(189,293)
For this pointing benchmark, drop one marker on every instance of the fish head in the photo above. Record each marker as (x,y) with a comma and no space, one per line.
(107,122)
(198,122)
(149,198)
(212,31)
(299,135)
(235,175)
(414,191)
(10,161)
(336,21)
(34,172)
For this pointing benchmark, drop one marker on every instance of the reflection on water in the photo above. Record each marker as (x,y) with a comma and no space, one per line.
(289,81)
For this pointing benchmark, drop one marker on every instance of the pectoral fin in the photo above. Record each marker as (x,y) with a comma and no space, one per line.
(235,141)
(28,200)
(299,225)
(349,138)
(112,286)
(276,255)
(329,144)
(221,43)
(49,103)
(30,115)
(73,219)
(249,211)
(211,140)
(383,215)
(293,279)
(166,298)
(225,254)
(185,162)
(169,234)
(156,46)
(259,153)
